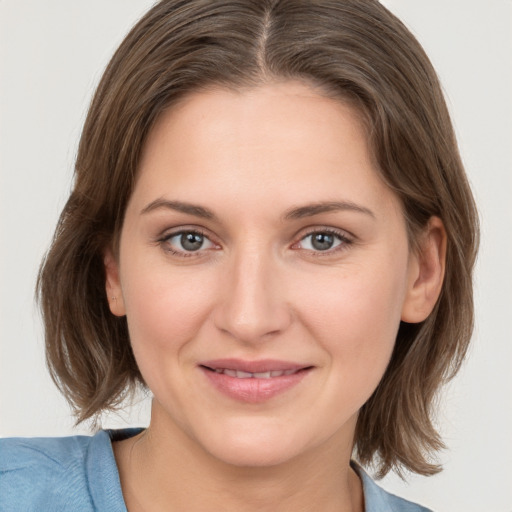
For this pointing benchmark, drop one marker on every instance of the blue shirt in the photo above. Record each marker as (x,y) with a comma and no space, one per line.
(79,474)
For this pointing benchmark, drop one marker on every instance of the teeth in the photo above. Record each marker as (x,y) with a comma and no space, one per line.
(239,374)
(262,375)
(242,375)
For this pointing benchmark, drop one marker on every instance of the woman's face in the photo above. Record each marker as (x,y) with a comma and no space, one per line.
(264,269)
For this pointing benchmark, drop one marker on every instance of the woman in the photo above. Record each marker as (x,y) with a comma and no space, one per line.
(271,230)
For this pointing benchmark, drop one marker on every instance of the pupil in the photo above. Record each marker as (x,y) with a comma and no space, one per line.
(322,241)
(191,241)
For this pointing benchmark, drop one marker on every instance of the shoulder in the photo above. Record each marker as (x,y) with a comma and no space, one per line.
(44,474)
(379,500)
(55,453)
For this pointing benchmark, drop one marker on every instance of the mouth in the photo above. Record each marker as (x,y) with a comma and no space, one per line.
(240,374)
(253,381)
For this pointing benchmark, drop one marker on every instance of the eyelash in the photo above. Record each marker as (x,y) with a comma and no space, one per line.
(345,241)
(165,242)
(341,236)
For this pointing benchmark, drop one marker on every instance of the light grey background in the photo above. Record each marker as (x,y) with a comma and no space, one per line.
(52,54)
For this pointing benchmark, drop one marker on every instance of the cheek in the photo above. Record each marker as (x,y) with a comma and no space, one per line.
(355,314)
(165,309)
(356,299)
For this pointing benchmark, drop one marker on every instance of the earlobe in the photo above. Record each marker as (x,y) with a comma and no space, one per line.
(426,273)
(113,284)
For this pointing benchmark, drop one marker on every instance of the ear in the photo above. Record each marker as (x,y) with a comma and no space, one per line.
(113,284)
(426,273)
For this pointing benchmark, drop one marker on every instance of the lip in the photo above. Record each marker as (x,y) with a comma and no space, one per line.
(262,365)
(253,390)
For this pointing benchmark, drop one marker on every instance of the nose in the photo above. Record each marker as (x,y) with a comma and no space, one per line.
(253,307)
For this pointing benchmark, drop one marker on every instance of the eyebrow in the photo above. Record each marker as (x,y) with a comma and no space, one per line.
(300,212)
(191,209)
(325,207)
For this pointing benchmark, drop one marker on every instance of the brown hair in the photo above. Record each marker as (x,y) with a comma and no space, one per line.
(354,48)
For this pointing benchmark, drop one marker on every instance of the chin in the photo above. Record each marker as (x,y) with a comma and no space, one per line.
(255,446)
(248,455)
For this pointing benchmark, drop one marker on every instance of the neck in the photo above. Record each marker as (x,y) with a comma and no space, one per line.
(164,469)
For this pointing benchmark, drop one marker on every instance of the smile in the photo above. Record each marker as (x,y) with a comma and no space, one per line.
(253,381)
(240,374)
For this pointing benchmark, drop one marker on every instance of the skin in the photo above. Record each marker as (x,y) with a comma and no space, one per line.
(259,289)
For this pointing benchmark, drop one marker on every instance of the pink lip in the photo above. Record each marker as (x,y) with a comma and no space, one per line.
(263,365)
(253,390)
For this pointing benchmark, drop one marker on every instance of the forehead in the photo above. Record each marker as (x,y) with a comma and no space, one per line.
(272,144)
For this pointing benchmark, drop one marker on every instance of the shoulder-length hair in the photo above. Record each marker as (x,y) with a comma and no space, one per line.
(356,51)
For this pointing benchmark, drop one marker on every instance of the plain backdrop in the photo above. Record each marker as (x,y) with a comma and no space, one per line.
(52,54)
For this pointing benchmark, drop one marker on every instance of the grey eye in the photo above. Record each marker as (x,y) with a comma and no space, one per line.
(191,241)
(321,241)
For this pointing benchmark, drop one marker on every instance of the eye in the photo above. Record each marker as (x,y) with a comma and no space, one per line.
(323,241)
(187,242)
